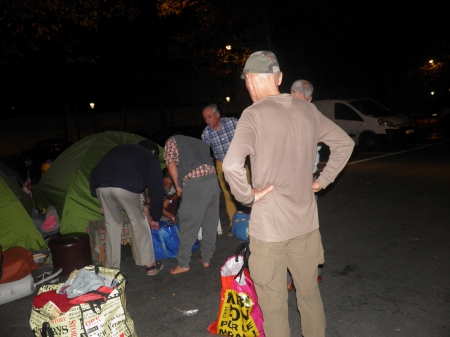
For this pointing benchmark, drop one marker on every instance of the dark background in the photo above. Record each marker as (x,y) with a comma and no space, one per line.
(347,49)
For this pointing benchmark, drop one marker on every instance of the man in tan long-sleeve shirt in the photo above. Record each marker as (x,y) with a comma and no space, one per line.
(280,134)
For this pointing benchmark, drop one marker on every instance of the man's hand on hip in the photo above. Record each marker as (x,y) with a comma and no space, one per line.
(316,187)
(259,194)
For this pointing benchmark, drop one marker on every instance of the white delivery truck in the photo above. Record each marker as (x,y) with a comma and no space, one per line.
(367,122)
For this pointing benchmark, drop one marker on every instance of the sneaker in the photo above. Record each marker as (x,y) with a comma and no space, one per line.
(42,276)
(47,276)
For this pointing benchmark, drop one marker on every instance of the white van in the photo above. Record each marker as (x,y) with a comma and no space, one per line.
(367,122)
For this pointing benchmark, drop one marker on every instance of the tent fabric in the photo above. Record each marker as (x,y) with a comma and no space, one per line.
(66,183)
(16,226)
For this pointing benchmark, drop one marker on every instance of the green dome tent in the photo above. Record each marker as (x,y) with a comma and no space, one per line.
(16,226)
(66,183)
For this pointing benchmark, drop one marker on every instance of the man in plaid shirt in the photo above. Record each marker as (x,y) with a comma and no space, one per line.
(218,134)
(192,170)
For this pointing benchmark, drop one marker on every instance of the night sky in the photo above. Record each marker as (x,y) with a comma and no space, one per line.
(345,48)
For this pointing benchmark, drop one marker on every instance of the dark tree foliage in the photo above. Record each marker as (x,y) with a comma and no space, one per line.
(25,26)
(205,28)
(78,50)
(342,43)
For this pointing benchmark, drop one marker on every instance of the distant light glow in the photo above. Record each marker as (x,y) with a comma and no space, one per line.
(92,105)
(228,47)
(228,98)
(432,93)
(431,61)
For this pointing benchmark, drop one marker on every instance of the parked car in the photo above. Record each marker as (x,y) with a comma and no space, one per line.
(33,158)
(367,122)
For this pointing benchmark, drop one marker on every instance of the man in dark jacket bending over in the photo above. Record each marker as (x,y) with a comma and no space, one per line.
(129,178)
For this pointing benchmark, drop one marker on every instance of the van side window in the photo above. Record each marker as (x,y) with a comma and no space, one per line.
(344,112)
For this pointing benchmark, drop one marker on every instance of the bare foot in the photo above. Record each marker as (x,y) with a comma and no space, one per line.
(179,270)
(206,265)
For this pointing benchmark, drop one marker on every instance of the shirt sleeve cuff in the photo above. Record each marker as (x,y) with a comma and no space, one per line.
(249,204)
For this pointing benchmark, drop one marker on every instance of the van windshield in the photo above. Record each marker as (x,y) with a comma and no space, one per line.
(370,108)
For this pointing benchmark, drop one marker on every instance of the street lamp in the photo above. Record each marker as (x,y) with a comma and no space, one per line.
(431,61)
(92,105)
(228,47)
(228,100)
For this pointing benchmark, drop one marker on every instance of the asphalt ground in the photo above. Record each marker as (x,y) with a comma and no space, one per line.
(385,225)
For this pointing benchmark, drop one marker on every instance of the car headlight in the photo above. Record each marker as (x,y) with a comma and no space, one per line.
(383,122)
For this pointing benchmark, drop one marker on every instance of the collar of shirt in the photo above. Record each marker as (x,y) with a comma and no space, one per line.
(220,140)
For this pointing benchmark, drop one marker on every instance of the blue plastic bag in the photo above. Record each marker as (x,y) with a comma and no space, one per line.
(166,240)
(240,225)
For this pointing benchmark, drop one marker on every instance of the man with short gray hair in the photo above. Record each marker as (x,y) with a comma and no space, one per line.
(302,89)
(280,134)
(218,134)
